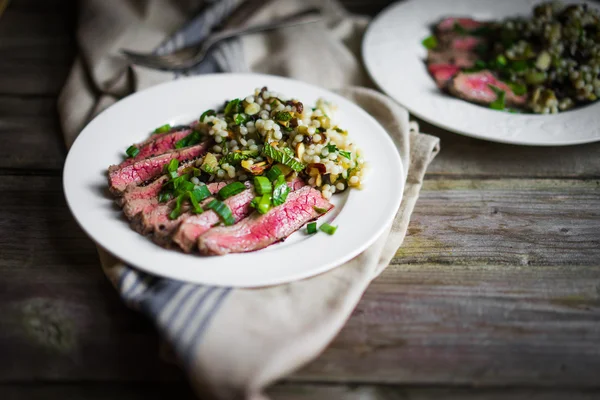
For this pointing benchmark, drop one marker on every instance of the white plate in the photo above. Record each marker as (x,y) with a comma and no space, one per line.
(394,55)
(361,215)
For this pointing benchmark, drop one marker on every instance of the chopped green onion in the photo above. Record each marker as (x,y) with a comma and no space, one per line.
(282,158)
(206,114)
(320,210)
(328,229)
(262,185)
(501,60)
(177,210)
(430,42)
(231,190)
(193,138)
(346,154)
(163,129)
(332,148)
(480,64)
(173,174)
(273,173)
(311,228)
(232,107)
(500,102)
(280,191)
(201,192)
(132,151)
(535,77)
(240,118)
(222,211)
(173,165)
(283,116)
(163,197)
(196,209)
(517,88)
(518,66)
(264,204)
(254,202)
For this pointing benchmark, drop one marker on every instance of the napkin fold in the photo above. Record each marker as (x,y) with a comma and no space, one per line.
(232,343)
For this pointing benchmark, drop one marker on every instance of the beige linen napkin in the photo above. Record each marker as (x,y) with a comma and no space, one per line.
(234,342)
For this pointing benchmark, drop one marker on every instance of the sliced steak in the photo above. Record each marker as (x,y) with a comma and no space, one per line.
(468,24)
(148,168)
(156,145)
(443,73)
(188,232)
(475,87)
(157,221)
(259,231)
(465,43)
(463,59)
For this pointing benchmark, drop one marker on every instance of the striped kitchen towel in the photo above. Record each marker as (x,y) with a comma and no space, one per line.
(232,343)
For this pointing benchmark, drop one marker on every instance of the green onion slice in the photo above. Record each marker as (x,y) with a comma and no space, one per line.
(173,174)
(206,114)
(163,129)
(132,151)
(240,119)
(517,88)
(430,42)
(196,209)
(201,192)
(222,211)
(346,154)
(231,190)
(282,158)
(320,210)
(328,229)
(311,228)
(273,173)
(232,107)
(173,165)
(262,185)
(280,191)
(177,209)
(500,102)
(264,204)
(193,138)
(163,197)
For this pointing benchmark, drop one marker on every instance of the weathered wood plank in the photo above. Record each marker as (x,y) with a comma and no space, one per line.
(525,222)
(287,391)
(36,46)
(30,134)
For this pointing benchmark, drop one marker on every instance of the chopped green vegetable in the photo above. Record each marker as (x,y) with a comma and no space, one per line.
(132,151)
(328,229)
(346,154)
(518,66)
(280,191)
(163,197)
(173,165)
(534,77)
(262,185)
(273,173)
(240,119)
(177,209)
(255,201)
(206,114)
(196,209)
(201,192)
(500,102)
(236,157)
(283,116)
(320,210)
(222,211)
(517,88)
(311,228)
(231,190)
(264,204)
(163,129)
(282,158)
(232,107)
(193,138)
(210,164)
(501,60)
(173,174)
(430,42)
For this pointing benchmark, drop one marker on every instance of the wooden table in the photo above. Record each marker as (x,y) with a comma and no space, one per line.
(495,293)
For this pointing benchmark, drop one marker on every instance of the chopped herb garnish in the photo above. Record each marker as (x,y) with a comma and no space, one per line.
(262,185)
(201,192)
(430,42)
(282,157)
(196,209)
(210,164)
(273,173)
(320,210)
(232,107)
(173,165)
(206,114)
(280,191)
(236,157)
(193,138)
(222,210)
(132,151)
(283,116)
(328,229)
(177,209)
(163,129)
(311,228)
(240,119)
(346,154)
(173,174)
(264,204)
(500,102)
(163,197)
(517,88)
(231,190)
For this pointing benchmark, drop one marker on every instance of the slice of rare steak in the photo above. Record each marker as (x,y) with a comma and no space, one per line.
(450,24)
(259,231)
(442,73)
(188,232)
(156,145)
(477,87)
(148,168)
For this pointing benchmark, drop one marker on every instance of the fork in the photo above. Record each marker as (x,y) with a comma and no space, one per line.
(190,56)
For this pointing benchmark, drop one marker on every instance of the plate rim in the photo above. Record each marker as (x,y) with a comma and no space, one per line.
(442,125)
(101,242)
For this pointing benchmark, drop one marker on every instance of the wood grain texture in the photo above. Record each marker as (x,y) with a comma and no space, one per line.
(36,46)
(417,323)
(286,391)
